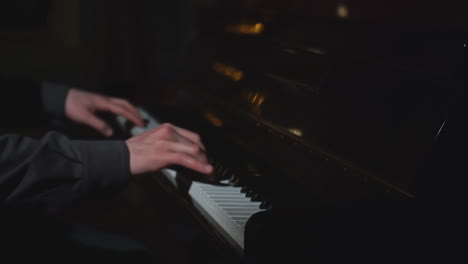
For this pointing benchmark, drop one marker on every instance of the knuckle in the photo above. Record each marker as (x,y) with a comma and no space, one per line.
(155,154)
(165,130)
(102,98)
(166,125)
(163,145)
(179,158)
(191,161)
(196,150)
(197,137)
(118,111)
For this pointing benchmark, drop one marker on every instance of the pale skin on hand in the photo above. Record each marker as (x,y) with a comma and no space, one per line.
(164,146)
(81,107)
(151,151)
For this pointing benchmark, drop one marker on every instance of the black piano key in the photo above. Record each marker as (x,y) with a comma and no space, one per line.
(218,168)
(256,197)
(244,189)
(128,125)
(211,160)
(266,205)
(224,174)
(250,192)
(234,180)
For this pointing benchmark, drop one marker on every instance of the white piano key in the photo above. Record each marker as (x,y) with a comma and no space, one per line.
(225,205)
(241,223)
(240,218)
(241,204)
(230,205)
(234,211)
(226,200)
(171,175)
(222,191)
(239,214)
(137,130)
(121,121)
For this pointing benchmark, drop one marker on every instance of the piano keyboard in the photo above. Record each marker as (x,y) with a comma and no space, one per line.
(226,205)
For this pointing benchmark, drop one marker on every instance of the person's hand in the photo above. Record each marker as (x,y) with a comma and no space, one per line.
(165,146)
(81,107)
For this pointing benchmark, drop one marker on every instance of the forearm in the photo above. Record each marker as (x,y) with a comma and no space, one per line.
(55,171)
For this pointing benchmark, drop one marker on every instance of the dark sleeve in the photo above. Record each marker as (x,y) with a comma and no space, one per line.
(27,103)
(20,103)
(54,172)
(53,96)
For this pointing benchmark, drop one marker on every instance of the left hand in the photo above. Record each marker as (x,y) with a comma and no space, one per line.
(81,106)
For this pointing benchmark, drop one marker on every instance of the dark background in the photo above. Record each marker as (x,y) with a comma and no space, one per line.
(95,44)
(125,47)
(117,48)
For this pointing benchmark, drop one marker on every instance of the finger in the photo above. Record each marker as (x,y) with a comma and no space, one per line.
(119,110)
(169,132)
(193,137)
(188,161)
(184,140)
(127,105)
(99,125)
(190,149)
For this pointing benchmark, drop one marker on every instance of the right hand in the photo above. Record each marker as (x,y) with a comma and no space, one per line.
(164,146)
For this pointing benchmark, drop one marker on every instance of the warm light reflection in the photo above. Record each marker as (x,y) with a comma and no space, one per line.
(246,29)
(296,132)
(255,99)
(342,10)
(213,119)
(290,51)
(228,71)
(316,51)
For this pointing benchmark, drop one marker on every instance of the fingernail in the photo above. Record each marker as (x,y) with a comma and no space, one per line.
(208,168)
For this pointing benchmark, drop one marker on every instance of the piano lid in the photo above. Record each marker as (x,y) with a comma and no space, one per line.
(413,13)
(367,91)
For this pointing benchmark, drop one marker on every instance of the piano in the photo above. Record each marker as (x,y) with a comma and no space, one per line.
(323,121)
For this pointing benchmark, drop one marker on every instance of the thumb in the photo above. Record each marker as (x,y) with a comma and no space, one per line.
(98,124)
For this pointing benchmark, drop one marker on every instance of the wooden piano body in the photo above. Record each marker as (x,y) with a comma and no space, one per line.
(339,121)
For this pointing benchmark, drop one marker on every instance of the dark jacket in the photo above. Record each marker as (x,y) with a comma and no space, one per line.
(54,171)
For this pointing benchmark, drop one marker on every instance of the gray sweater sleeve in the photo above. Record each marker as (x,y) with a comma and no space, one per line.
(54,172)
(53,96)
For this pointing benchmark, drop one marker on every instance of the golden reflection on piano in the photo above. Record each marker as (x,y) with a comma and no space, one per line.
(296,132)
(342,11)
(317,51)
(290,51)
(255,100)
(246,29)
(228,71)
(213,119)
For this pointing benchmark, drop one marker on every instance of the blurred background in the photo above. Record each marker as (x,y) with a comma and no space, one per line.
(96,43)
(291,66)
(93,43)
